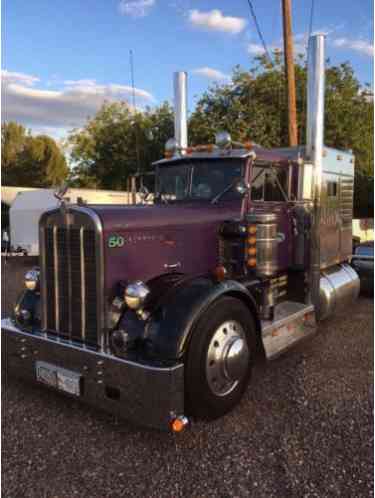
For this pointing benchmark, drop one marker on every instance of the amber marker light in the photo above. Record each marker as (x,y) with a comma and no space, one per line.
(252,251)
(251,240)
(220,272)
(178,424)
(252,262)
(252,229)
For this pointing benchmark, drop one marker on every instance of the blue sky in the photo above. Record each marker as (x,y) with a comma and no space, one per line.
(60,60)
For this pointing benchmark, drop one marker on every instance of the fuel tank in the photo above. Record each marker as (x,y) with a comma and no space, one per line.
(339,287)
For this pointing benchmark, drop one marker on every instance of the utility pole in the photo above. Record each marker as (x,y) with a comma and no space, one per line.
(289,72)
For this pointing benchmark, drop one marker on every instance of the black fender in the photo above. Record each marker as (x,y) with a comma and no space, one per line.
(171,325)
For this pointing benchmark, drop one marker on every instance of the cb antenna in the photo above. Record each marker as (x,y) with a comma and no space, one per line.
(134,110)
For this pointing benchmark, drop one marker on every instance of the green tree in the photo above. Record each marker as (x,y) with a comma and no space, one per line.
(117,143)
(32,161)
(253,107)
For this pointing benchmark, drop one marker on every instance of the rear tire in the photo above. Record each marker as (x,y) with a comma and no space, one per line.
(219,359)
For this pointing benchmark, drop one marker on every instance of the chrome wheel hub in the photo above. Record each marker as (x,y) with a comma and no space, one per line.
(227,358)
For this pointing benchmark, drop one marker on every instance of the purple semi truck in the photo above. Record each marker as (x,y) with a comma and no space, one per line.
(156,312)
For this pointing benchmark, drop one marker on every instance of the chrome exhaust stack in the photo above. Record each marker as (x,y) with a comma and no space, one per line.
(180,110)
(314,150)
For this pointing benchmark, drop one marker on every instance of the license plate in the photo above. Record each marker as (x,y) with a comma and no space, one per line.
(59,378)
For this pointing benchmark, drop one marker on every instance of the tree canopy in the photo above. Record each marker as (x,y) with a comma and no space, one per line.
(254,107)
(118,142)
(33,161)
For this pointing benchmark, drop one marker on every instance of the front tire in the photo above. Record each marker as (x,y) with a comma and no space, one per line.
(219,359)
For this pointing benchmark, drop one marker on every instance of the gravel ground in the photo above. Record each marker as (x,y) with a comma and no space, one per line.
(303,429)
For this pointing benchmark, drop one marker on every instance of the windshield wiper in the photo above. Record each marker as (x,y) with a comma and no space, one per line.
(220,194)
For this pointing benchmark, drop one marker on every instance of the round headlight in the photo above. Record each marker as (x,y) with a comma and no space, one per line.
(32,279)
(136,294)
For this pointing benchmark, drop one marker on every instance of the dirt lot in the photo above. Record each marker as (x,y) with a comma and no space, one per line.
(304,429)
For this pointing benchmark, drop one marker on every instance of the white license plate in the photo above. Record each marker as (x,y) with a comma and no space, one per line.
(59,378)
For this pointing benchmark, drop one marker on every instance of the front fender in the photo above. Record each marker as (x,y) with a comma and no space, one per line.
(169,329)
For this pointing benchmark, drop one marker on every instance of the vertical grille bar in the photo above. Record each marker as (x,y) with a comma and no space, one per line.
(63,282)
(83,289)
(75,300)
(56,276)
(50,321)
(90,286)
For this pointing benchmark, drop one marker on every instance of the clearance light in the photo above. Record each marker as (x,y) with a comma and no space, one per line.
(252,262)
(220,272)
(252,240)
(180,423)
(252,229)
(252,251)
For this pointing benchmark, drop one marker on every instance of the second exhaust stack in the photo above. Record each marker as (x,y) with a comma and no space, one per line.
(180,109)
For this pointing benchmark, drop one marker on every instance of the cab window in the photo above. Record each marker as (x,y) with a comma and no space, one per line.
(269,183)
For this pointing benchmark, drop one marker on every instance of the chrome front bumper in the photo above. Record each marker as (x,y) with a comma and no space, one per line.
(146,395)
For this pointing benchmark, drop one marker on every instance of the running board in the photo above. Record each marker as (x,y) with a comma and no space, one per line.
(292,322)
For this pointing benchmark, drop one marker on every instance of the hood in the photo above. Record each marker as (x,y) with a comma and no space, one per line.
(143,242)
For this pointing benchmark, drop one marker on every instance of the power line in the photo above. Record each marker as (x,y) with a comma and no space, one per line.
(260,34)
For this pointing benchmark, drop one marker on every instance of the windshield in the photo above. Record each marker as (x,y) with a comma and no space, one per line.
(199,179)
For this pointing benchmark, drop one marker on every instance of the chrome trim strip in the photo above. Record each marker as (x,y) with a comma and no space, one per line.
(43,281)
(8,325)
(83,293)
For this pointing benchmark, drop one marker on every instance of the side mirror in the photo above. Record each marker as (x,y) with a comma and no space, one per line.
(242,187)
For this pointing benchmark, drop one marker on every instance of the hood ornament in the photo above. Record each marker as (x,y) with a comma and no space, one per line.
(61,191)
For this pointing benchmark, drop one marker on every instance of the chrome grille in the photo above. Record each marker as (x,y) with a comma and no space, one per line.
(70,275)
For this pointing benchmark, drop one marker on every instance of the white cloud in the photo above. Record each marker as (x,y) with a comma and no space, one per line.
(136,8)
(211,74)
(361,46)
(300,46)
(12,77)
(60,109)
(214,20)
(255,49)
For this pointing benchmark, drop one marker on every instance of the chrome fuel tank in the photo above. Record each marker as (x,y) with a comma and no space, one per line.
(267,242)
(339,287)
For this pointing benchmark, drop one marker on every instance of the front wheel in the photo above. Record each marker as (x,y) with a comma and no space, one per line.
(219,359)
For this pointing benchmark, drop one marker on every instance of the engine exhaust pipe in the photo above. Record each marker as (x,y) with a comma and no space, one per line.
(180,109)
(315,99)
(314,151)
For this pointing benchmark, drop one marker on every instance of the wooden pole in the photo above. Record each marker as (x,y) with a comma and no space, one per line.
(289,72)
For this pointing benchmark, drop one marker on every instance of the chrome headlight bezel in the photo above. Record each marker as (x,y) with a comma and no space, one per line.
(136,294)
(32,279)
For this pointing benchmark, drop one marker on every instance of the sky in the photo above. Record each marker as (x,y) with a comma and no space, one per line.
(62,60)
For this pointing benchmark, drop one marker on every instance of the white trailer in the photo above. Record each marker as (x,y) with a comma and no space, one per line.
(28,206)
